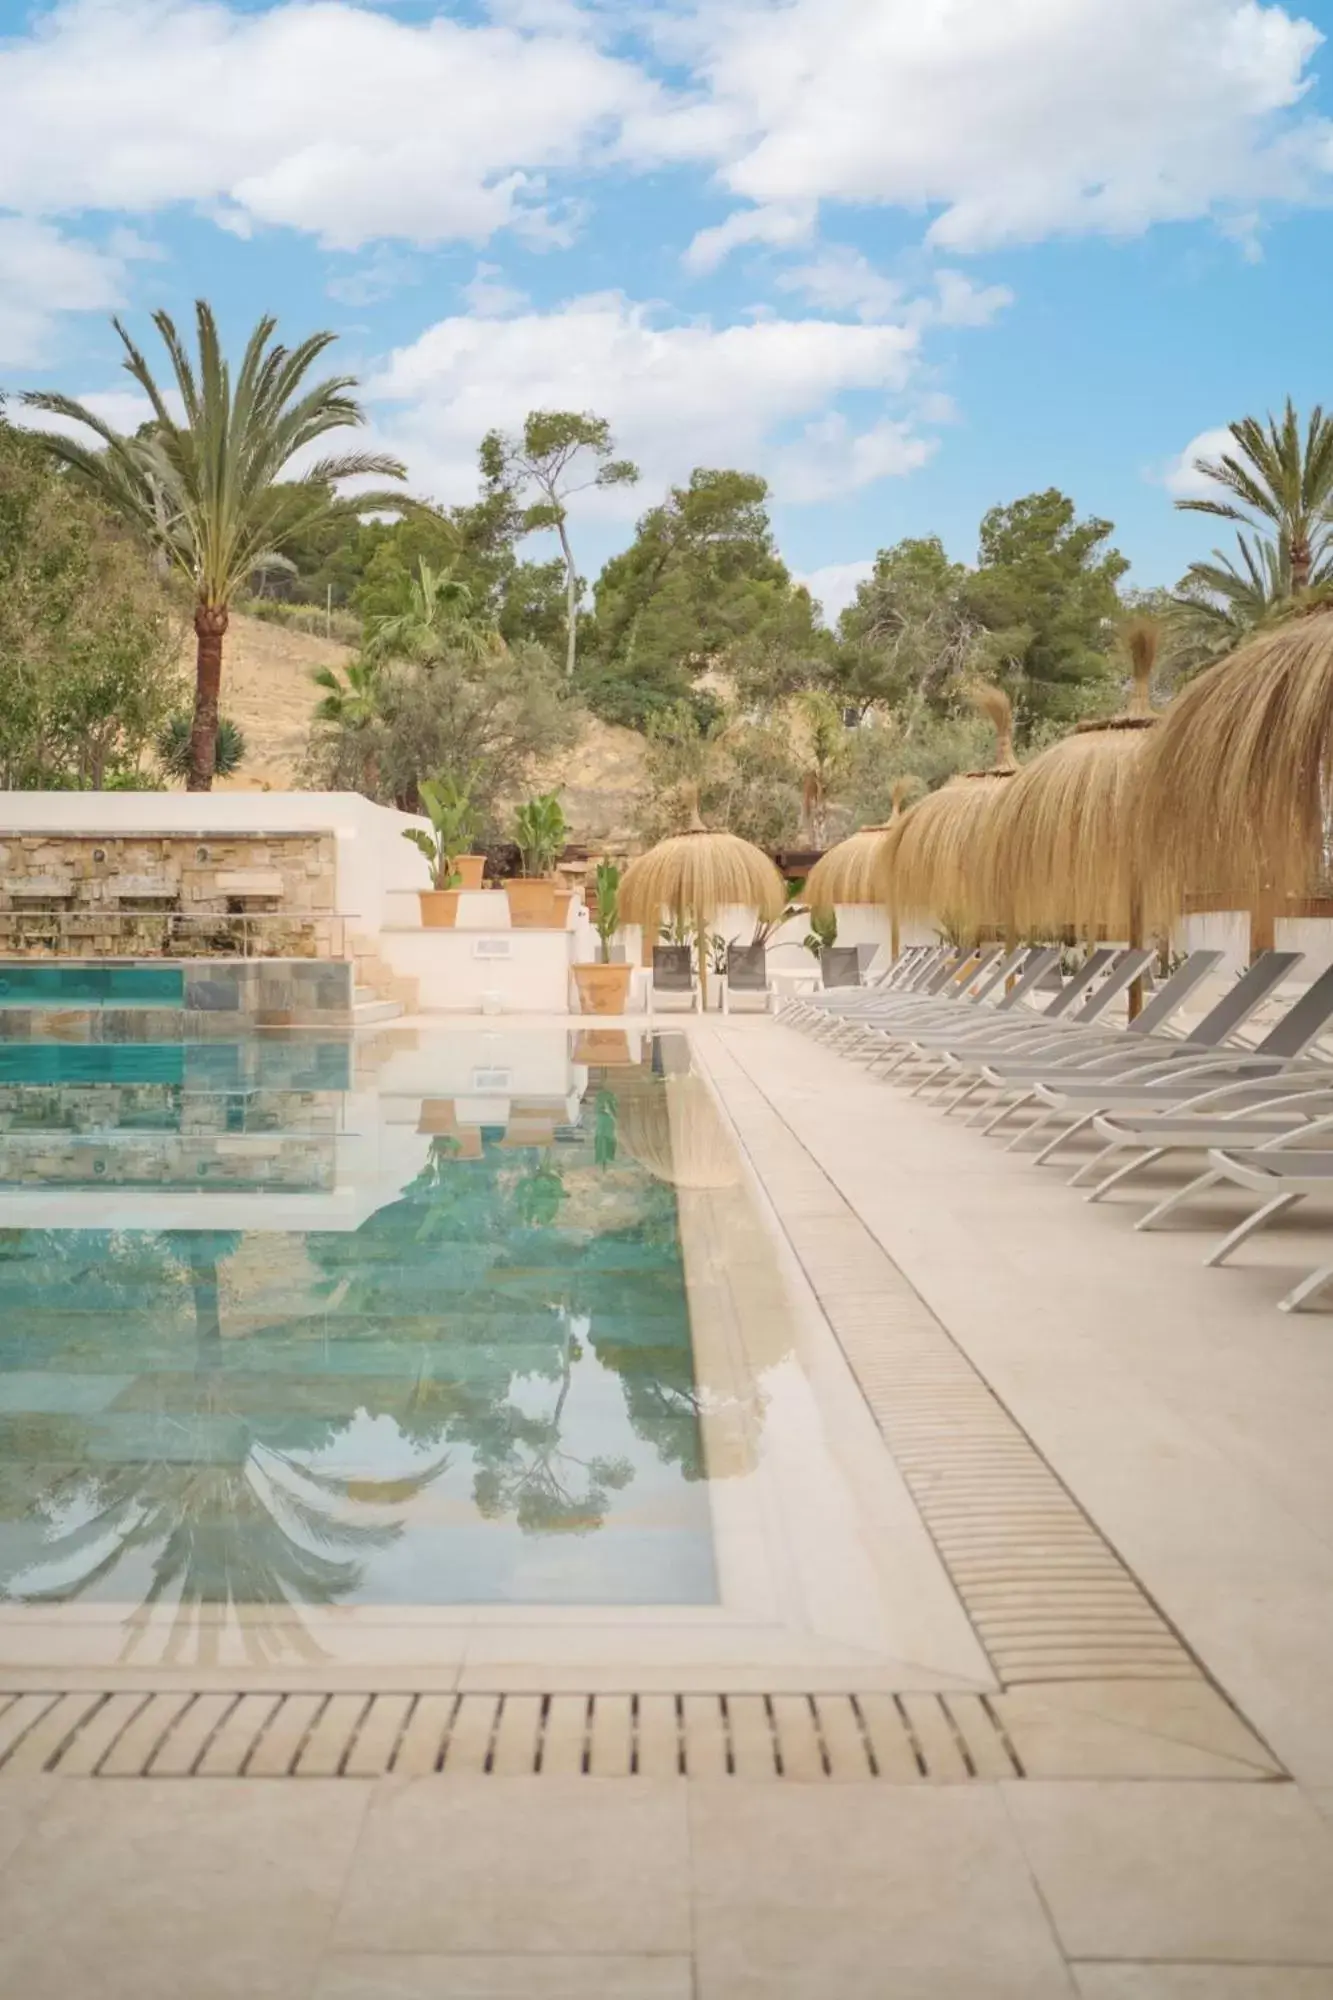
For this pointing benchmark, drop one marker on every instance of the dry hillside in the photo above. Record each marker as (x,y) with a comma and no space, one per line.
(267,689)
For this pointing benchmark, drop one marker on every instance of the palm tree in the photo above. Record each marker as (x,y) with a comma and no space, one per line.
(350,701)
(1217,604)
(440,613)
(1286,481)
(209,493)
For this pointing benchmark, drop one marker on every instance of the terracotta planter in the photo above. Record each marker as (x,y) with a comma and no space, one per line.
(563,899)
(471,870)
(603,989)
(439,909)
(532,905)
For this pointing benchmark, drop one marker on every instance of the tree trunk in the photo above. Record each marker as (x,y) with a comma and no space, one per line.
(571,600)
(210,622)
(1300,563)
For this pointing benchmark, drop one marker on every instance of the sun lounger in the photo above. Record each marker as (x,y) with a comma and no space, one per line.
(1189,1076)
(965,1061)
(1283,1172)
(1241,1113)
(1130,1053)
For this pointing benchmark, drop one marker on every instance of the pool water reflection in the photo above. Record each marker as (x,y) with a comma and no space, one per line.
(481,1390)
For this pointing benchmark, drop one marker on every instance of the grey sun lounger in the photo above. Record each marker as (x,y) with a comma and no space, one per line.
(991,986)
(1189,1076)
(1041,1054)
(1234,1114)
(964,1062)
(1282,1172)
(1132,1053)
(949,981)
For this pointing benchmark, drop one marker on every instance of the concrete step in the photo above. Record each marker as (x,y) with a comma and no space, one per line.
(365,1013)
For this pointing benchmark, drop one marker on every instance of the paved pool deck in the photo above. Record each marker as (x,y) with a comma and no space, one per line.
(1162,1430)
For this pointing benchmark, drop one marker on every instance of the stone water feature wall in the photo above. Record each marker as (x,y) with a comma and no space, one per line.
(176,895)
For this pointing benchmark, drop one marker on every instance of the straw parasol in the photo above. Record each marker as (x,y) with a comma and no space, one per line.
(849,872)
(694,875)
(1238,780)
(1064,849)
(929,862)
(672,1127)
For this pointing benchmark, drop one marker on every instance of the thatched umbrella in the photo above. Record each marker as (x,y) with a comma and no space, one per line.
(672,1127)
(849,872)
(1064,848)
(930,860)
(694,875)
(1238,780)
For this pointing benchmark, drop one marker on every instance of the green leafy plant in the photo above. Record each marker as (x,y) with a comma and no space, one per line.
(606,1128)
(540,830)
(173,747)
(538,1196)
(676,930)
(448,807)
(822,934)
(606,921)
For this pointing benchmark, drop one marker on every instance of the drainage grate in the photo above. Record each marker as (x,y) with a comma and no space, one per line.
(1048,1596)
(903,1739)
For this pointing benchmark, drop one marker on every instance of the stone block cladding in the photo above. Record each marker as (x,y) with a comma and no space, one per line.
(136,895)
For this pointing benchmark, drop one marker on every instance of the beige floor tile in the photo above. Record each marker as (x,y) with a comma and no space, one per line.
(22,1801)
(1203,1982)
(521,1864)
(1191,1872)
(156,1890)
(468,1977)
(803,1892)
(1130,1729)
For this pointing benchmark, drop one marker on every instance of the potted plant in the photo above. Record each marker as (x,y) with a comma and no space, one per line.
(448,807)
(602,986)
(539,830)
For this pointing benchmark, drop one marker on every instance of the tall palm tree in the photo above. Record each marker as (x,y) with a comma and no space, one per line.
(1286,481)
(209,492)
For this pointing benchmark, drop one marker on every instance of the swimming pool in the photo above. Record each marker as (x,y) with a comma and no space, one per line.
(428,1359)
(482,1392)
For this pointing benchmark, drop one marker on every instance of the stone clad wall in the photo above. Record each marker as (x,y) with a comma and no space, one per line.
(126,895)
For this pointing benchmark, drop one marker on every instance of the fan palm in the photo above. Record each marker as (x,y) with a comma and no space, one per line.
(1281,485)
(440,612)
(350,702)
(209,492)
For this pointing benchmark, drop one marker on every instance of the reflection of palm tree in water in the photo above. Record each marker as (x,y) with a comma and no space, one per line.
(231,1536)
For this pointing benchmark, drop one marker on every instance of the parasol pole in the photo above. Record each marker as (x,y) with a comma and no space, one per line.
(1142,653)
(702,942)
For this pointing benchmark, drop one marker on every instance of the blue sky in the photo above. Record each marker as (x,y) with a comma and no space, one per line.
(907,258)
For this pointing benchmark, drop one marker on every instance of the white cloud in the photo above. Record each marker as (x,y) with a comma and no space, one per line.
(778,228)
(830,457)
(1014,122)
(326,117)
(489,296)
(960,302)
(43,273)
(676,395)
(834,586)
(1181,480)
(840,280)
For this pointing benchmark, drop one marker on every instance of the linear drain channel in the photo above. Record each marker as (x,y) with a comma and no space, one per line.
(898,1738)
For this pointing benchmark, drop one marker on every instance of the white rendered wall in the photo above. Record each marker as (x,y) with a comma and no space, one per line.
(1227,931)
(1313,936)
(457,974)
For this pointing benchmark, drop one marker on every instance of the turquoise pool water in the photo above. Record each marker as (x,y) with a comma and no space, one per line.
(470,1382)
